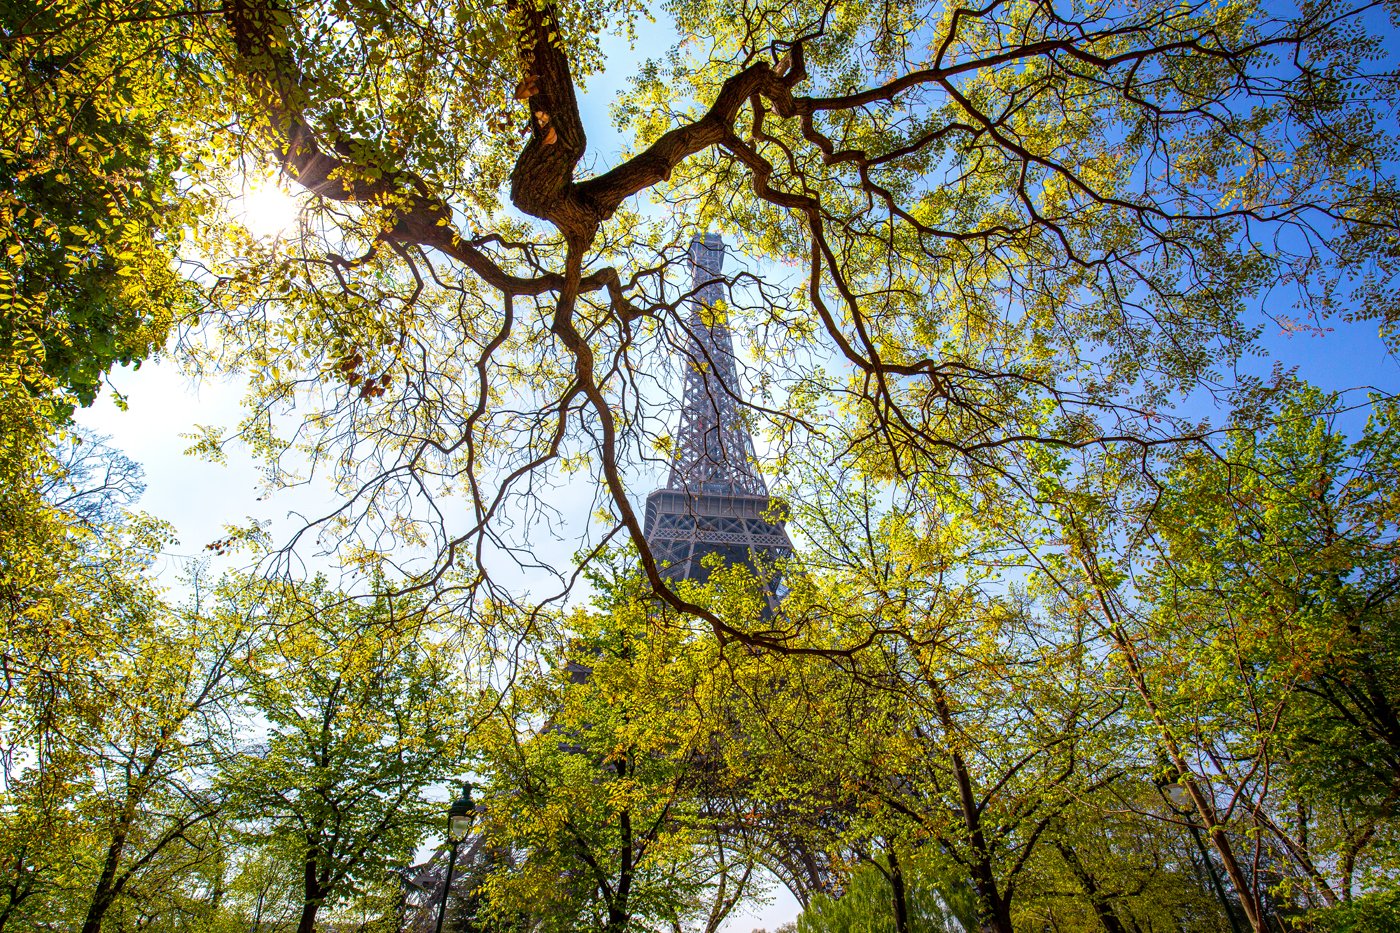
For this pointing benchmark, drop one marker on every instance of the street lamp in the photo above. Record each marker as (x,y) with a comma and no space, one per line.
(460,817)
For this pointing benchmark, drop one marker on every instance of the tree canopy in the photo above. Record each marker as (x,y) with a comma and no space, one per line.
(1091,621)
(1015,227)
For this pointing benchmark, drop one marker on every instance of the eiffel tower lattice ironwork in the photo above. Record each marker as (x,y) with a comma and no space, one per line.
(714,500)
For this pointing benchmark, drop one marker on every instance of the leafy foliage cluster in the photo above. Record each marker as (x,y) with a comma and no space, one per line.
(90,219)
(245,758)
(1057,651)
(1180,718)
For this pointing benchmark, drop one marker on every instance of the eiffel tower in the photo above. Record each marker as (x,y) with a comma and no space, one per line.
(714,501)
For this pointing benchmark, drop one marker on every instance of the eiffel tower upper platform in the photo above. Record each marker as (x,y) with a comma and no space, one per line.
(714,501)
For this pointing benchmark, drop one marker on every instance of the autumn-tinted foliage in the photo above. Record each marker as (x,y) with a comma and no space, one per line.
(1085,614)
(89,219)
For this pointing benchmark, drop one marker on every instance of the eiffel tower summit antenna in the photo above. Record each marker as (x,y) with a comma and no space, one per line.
(714,500)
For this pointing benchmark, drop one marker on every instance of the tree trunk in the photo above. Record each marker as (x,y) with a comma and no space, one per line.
(105,892)
(20,888)
(102,900)
(311,900)
(307,923)
(1102,908)
(618,915)
(1201,801)
(993,910)
(897,891)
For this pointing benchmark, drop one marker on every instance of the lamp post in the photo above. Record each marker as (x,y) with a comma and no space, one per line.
(460,817)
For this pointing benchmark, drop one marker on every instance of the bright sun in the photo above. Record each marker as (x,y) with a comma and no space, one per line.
(265,209)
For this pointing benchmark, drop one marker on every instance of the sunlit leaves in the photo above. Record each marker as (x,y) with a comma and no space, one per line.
(89,221)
